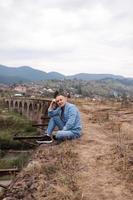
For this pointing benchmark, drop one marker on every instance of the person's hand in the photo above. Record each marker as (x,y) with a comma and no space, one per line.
(53,104)
(53,101)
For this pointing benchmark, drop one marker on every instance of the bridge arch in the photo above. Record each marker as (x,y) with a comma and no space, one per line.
(8,104)
(30,107)
(20,105)
(11,103)
(35,106)
(25,106)
(16,104)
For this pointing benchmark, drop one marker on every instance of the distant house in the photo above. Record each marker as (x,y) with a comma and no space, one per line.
(20,88)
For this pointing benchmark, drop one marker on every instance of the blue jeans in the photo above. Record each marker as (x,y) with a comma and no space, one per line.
(61,134)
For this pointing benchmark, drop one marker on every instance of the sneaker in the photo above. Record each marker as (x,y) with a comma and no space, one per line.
(45,140)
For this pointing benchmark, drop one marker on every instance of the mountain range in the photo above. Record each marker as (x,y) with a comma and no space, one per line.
(9,75)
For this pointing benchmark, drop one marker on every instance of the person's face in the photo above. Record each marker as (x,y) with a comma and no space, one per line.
(61,100)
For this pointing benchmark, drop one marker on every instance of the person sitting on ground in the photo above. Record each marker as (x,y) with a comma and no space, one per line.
(66,117)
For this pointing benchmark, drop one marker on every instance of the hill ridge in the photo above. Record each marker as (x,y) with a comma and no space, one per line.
(27,73)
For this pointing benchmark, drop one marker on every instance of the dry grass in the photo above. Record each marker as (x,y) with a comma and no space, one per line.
(52,174)
(116,120)
(120,125)
(124,151)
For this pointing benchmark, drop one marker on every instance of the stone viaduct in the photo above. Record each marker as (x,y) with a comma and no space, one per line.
(33,109)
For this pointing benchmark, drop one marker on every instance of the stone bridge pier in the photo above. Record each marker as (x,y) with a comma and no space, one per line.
(33,109)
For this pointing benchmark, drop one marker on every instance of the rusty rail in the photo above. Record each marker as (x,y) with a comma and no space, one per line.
(27,137)
(3,186)
(45,117)
(37,125)
(19,151)
(4,172)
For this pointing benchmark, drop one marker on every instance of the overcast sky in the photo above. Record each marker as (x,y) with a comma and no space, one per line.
(68,36)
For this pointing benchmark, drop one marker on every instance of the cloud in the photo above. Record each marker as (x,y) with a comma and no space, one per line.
(68,36)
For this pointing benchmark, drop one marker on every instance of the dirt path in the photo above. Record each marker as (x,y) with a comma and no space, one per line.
(98,178)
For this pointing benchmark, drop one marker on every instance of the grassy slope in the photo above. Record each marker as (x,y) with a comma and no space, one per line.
(10,124)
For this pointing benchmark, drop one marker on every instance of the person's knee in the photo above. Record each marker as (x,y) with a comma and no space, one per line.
(58,122)
(56,118)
